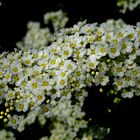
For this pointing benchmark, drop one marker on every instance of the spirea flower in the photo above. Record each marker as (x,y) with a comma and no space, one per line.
(44,75)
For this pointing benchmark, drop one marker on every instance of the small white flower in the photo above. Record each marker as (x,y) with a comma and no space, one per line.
(33,85)
(27,96)
(101,50)
(37,71)
(61,74)
(91,50)
(54,62)
(129,64)
(135,72)
(132,34)
(47,83)
(129,80)
(79,53)
(5,64)
(121,33)
(61,83)
(88,28)
(19,78)
(10,95)
(103,67)
(138,82)
(78,74)
(40,97)
(100,31)
(91,62)
(43,63)
(109,36)
(66,52)
(126,47)
(119,83)
(118,69)
(114,51)
(23,83)
(15,67)
(69,66)
(101,79)
(137,41)
(21,105)
(14,121)
(54,49)
(128,94)
(27,60)
(28,72)
(7,77)
(32,103)
(90,38)
(132,56)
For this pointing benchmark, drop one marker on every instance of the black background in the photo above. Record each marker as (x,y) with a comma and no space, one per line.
(14,15)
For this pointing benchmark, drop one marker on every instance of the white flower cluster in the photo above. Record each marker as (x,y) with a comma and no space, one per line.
(96,133)
(42,82)
(58,19)
(128,4)
(38,37)
(6,135)
(67,119)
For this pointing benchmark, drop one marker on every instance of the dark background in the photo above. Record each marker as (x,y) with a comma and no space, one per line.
(14,15)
